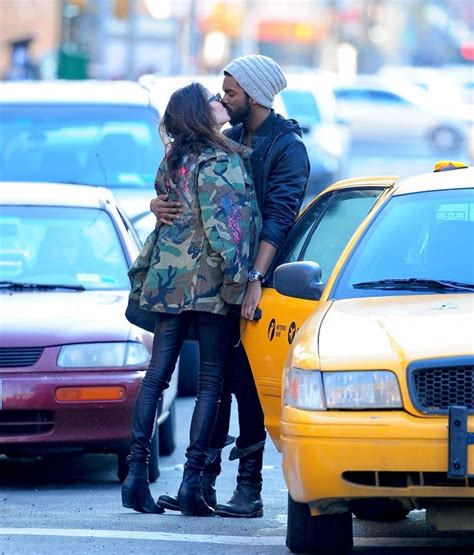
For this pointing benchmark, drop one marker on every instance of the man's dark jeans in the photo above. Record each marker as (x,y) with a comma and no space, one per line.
(238,379)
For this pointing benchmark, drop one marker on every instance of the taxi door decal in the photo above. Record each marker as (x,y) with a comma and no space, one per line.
(267,343)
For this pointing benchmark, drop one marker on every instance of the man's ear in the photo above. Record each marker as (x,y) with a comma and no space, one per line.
(252,101)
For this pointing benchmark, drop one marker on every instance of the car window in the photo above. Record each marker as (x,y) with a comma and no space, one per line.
(385,97)
(352,95)
(61,245)
(427,235)
(369,95)
(291,249)
(111,146)
(343,215)
(301,106)
(325,228)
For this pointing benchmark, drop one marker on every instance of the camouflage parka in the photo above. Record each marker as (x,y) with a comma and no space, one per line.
(200,262)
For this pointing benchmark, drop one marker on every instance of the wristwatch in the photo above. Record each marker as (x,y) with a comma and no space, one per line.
(255,275)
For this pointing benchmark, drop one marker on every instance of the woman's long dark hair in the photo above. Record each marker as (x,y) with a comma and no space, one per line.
(189,124)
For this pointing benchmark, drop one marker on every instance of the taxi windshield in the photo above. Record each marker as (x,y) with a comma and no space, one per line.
(418,243)
(109,146)
(54,245)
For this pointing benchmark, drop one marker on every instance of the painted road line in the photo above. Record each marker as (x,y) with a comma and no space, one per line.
(138,535)
(228,540)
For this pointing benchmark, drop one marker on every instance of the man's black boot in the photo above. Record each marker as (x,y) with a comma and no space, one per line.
(246,501)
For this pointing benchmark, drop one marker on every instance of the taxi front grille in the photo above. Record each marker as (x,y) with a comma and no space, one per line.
(17,357)
(435,389)
(25,422)
(386,479)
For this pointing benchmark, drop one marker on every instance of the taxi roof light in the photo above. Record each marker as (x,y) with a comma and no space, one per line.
(446,165)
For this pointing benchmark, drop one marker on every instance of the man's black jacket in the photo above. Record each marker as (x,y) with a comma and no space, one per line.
(280,169)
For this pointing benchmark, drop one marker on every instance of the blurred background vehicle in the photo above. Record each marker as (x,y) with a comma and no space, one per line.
(309,99)
(82,132)
(70,363)
(441,90)
(462,76)
(378,108)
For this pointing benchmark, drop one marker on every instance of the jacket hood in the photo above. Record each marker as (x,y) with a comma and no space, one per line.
(288,126)
(281,127)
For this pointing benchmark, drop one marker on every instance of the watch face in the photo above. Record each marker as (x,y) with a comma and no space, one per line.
(254,275)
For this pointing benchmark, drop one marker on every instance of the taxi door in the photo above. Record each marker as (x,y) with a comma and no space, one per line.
(320,235)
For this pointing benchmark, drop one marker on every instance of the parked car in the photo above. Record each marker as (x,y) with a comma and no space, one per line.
(364,356)
(70,363)
(378,108)
(84,132)
(309,99)
(437,84)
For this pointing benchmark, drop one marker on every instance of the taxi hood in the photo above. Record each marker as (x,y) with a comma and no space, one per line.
(369,333)
(46,318)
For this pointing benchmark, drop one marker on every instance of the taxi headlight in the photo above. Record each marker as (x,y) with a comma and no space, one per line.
(376,389)
(315,390)
(102,355)
(303,389)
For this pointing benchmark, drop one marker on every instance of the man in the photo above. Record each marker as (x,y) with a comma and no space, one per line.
(280,168)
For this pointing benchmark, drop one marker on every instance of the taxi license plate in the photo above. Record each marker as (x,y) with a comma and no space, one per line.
(461,444)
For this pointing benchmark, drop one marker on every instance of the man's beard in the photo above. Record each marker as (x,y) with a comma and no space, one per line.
(240,114)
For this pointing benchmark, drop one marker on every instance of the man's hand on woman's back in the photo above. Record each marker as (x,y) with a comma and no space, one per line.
(166,211)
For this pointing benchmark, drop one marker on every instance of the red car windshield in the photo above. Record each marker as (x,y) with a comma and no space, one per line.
(61,245)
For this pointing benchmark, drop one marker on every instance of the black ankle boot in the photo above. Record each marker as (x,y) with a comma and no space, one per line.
(190,496)
(208,483)
(208,480)
(136,493)
(246,501)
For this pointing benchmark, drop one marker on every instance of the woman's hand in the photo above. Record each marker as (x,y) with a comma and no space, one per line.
(165,211)
(251,299)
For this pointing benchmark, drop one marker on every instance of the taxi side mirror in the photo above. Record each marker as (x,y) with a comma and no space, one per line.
(299,279)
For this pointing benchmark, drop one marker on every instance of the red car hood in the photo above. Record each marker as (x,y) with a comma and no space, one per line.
(42,319)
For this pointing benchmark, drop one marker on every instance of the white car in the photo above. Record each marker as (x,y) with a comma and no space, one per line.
(309,99)
(378,108)
(83,132)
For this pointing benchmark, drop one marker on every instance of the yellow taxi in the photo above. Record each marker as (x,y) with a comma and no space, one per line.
(364,356)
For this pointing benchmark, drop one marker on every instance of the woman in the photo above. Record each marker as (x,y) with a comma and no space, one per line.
(191,271)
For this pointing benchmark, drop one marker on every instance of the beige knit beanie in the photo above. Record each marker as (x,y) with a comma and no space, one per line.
(259,76)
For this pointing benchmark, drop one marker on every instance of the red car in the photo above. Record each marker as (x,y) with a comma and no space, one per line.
(70,363)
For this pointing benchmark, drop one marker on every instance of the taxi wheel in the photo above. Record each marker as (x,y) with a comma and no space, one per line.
(317,534)
(153,465)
